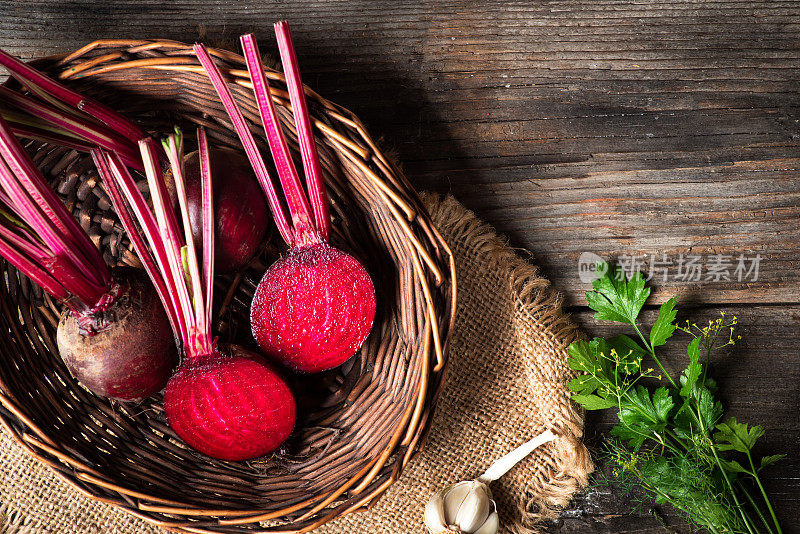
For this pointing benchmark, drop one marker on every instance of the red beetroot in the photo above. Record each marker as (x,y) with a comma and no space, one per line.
(297,290)
(253,409)
(314,308)
(240,214)
(113,335)
(224,402)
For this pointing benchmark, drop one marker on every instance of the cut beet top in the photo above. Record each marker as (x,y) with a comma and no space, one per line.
(314,308)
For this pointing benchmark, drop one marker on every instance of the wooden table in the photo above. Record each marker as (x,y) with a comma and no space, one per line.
(667,129)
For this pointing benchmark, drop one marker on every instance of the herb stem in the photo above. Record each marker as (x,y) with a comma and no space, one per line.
(672,434)
(755,507)
(763,493)
(653,354)
(713,448)
(742,513)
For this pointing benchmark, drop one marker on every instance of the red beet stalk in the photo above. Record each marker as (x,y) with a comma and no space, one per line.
(68,100)
(24,110)
(223,400)
(54,113)
(314,308)
(42,239)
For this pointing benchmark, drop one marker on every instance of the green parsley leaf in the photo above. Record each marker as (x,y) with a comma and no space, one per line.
(633,436)
(709,410)
(692,373)
(664,326)
(593,402)
(642,408)
(732,466)
(585,384)
(732,435)
(769,460)
(615,298)
(643,415)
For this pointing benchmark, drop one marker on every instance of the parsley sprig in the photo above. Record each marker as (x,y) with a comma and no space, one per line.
(671,438)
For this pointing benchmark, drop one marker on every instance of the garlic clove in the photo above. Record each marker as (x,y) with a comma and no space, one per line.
(474,511)
(453,499)
(434,514)
(464,507)
(490,526)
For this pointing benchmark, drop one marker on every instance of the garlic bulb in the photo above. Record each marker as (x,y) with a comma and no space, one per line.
(467,507)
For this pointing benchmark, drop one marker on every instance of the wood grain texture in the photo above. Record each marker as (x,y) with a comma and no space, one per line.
(608,126)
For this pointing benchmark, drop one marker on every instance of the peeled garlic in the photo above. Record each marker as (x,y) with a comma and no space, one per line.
(467,507)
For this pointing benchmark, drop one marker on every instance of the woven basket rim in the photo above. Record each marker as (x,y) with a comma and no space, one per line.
(431,258)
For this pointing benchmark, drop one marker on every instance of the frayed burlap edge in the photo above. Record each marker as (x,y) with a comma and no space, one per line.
(13,521)
(536,303)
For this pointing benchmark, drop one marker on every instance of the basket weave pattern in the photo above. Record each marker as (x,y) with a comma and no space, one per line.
(358,426)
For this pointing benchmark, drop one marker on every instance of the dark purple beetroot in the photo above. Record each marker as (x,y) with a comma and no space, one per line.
(313,309)
(131,355)
(241,215)
(231,406)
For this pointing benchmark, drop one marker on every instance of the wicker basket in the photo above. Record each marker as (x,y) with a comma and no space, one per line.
(358,426)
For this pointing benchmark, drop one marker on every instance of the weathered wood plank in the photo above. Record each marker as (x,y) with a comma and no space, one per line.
(573,126)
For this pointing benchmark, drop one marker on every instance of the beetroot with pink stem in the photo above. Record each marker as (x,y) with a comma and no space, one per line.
(113,336)
(223,401)
(314,308)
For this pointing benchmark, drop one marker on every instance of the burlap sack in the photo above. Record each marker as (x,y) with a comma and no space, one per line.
(505,384)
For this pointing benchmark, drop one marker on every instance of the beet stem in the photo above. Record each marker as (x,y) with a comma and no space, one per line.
(11,227)
(17,256)
(44,211)
(200,339)
(24,127)
(305,134)
(170,235)
(305,231)
(77,126)
(112,180)
(46,134)
(248,142)
(208,221)
(42,85)
(151,231)
(52,227)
